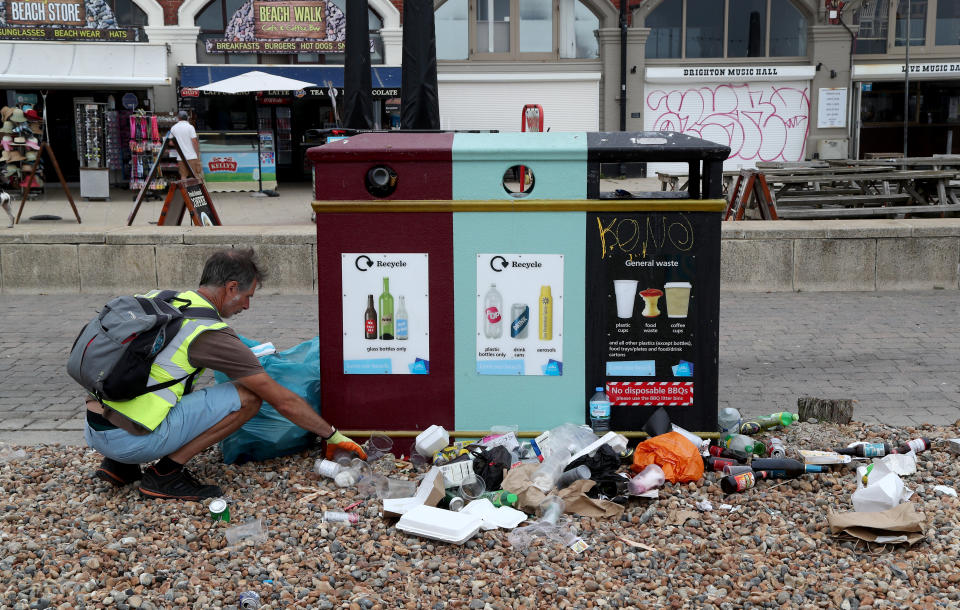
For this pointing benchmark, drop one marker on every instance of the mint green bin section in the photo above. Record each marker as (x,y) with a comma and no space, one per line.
(558,161)
(530,402)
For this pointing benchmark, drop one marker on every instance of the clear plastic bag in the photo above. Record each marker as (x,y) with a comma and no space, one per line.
(253,531)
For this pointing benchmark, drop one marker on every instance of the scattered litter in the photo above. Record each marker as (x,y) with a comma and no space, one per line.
(9,454)
(904,464)
(823,457)
(729,507)
(253,531)
(953,445)
(898,525)
(493,517)
(883,490)
(636,544)
(945,490)
(439,524)
(705,505)
(679,517)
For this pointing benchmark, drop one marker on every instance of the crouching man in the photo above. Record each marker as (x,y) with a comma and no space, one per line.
(173,424)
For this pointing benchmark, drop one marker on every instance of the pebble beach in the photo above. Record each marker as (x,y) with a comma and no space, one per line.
(68,541)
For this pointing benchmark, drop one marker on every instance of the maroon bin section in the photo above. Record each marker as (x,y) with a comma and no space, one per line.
(386,402)
(369,166)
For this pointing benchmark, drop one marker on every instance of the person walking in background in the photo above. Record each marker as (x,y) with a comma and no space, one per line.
(186,137)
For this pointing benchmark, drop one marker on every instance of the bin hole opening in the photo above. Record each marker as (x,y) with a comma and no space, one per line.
(381,181)
(518,181)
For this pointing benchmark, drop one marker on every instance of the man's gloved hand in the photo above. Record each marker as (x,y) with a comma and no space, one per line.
(339,441)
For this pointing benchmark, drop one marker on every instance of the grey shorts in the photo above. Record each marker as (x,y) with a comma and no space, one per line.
(196,413)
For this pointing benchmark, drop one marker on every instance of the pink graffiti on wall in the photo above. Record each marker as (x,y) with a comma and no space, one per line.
(759,121)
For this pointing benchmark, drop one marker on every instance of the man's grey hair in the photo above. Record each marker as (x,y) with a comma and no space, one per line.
(238,265)
(183,115)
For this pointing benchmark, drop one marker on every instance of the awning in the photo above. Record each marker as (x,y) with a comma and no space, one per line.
(88,64)
(385,79)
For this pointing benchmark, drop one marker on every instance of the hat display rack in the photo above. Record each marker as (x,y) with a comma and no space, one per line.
(36,145)
(20,134)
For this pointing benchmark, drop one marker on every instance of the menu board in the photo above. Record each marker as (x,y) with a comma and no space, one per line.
(651,310)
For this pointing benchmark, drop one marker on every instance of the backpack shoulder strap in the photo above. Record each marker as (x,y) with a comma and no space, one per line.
(208,313)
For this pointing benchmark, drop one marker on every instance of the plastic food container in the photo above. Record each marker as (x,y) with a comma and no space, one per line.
(431,440)
(439,524)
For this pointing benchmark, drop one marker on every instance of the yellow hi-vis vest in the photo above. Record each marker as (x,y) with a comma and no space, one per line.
(171,363)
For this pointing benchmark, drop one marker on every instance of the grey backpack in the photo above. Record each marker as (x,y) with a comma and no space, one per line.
(112,355)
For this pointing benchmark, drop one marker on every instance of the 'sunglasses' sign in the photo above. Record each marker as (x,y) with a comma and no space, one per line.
(45,12)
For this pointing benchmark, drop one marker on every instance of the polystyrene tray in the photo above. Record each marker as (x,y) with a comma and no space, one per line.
(439,524)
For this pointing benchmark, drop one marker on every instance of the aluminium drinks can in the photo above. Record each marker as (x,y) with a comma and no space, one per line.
(219,511)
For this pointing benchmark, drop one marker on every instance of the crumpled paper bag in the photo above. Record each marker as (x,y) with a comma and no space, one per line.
(884,490)
(529,497)
(898,525)
(904,464)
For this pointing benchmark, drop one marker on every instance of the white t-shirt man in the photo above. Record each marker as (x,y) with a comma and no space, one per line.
(186,137)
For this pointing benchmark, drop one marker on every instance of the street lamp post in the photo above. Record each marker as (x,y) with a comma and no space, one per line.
(906,84)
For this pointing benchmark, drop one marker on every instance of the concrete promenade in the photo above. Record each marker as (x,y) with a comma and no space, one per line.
(897,354)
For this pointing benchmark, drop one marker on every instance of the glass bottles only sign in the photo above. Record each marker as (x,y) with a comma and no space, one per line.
(386,318)
(520,314)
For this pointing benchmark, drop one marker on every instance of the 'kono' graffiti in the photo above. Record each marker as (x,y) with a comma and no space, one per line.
(759,121)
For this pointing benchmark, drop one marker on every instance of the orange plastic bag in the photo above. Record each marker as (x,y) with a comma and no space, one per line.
(679,458)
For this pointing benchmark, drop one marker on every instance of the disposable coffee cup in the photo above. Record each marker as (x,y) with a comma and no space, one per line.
(626,293)
(678,298)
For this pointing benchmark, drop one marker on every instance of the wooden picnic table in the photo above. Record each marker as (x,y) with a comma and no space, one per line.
(936,162)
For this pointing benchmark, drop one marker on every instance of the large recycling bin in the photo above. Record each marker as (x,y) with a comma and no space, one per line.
(514,285)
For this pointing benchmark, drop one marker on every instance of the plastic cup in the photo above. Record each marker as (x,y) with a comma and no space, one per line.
(626,292)
(472,489)
(678,298)
(251,530)
(343,457)
(395,488)
(551,508)
(378,446)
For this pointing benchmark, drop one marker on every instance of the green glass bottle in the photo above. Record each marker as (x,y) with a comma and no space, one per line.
(386,311)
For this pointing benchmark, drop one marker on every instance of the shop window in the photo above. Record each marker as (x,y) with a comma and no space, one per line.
(452,24)
(515,29)
(666,27)
(726,28)
(948,23)
(872,25)
(918,22)
(746,28)
(128,14)
(788,31)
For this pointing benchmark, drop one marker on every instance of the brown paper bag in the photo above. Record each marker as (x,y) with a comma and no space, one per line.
(898,525)
(529,497)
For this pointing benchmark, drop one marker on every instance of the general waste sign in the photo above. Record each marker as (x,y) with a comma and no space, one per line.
(43,12)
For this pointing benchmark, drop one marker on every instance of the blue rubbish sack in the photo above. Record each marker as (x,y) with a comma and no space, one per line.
(269,434)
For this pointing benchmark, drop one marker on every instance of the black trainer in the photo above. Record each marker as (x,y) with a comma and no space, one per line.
(178,485)
(118,474)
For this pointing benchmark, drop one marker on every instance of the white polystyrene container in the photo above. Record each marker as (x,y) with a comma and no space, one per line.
(439,524)
(432,440)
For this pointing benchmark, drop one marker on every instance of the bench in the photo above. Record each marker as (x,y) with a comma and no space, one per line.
(834,198)
(858,212)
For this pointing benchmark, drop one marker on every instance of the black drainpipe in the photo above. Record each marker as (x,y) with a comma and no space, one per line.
(623,65)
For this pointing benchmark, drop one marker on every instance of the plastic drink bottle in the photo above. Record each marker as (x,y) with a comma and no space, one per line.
(493,313)
(739,442)
(649,478)
(600,412)
(767,422)
(402,320)
(545,476)
(728,420)
(500,498)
